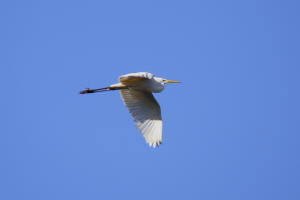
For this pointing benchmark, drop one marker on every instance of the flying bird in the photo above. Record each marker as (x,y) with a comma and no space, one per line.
(136,91)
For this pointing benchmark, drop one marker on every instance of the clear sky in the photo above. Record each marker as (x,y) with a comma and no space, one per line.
(231,129)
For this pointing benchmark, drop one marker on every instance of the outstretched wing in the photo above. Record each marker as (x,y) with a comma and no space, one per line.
(146,114)
(134,78)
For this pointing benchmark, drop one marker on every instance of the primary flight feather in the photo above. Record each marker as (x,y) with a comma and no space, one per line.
(136,91)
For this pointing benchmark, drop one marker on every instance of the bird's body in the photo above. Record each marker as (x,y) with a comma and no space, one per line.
(136,91)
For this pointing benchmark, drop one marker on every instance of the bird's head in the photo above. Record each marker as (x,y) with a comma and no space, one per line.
(164,81)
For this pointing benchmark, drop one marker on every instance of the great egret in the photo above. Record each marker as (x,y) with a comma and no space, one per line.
(136,91)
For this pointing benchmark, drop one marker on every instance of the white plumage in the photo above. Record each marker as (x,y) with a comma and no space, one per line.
(136,91)
(146,114)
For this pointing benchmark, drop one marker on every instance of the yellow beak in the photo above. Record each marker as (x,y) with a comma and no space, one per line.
(169,81)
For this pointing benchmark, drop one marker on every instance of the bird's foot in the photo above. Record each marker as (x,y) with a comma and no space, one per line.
(87,90)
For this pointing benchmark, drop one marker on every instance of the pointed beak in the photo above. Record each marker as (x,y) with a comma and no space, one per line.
(169,81)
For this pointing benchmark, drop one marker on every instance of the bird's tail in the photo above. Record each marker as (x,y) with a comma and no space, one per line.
(88,90)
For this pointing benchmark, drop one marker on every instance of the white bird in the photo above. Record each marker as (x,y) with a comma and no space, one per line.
(136,91)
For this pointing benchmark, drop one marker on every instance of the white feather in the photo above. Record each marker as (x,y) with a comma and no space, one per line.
(146,114)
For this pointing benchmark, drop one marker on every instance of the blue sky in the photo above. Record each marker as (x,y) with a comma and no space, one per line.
(231,129)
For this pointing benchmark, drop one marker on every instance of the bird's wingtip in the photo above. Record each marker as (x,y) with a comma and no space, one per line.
(155,144)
